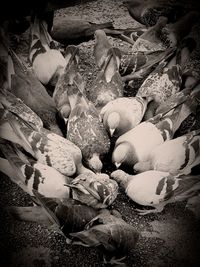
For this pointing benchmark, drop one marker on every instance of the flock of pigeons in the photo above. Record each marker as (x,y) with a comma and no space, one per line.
(61,173)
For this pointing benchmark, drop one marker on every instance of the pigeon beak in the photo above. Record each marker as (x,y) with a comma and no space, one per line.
(117,165)
(112,132)
(66,121)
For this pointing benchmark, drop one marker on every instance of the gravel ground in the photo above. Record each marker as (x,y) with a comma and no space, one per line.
(171,238)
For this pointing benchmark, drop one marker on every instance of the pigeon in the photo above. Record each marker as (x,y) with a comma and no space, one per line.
(24,84)
(191,68)
(156,189)
(46,147)
(94,190)
(74,31)
(70,77)
(162,83)
(142,64)
(108,85)
(123,114)
(136,144)
(179,155)
(174,33)
(32,175)
(101,47)
(148,12)
(129,35)
(85,130)
(111,234)
(151,39)
(140,59)
(69,215)
(188,96)
(17,107)
(47,62)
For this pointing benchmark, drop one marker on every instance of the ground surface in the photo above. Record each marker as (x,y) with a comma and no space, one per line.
(171,238)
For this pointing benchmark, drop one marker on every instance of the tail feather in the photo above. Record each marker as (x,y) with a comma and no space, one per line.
(19,66)
(13,129)
(45,36)
(99,26)
(6,64)
(29,214)
(145,69)
(188,187)
(72,55)
(6,168)
(55,224)
(39,41)
(188,98)
(16,164)
(17,107)
(111,64)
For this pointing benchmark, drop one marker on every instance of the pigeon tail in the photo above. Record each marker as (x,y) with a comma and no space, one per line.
(40,39)
(6,63)
(44,202)
(100,26)
(17,162)
(111,64)
(29,214)
(188,187)
(15,130)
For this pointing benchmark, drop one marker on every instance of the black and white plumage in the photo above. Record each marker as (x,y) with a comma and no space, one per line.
(69,78)
(69,215)
(151,39)
(160,188)
(179,155)
(48,62)
(108,84)
(46,147)
(17,106)
(110,233)
(174,33)
(86,130)
(24,84)
(191,68)
(123,114)
(29,174)
(137,144)
(95,190)
(148,12)
(161,84)
(69,30)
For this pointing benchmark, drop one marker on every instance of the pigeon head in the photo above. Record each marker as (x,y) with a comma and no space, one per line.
(121,154)
(113,122)
(99,35)
(142,166)
(121,177)
(71,53)
(58,72)
(95,163)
